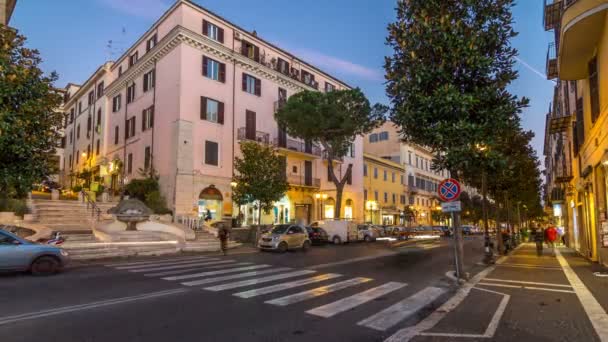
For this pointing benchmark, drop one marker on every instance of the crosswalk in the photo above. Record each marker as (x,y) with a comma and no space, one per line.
(249,280)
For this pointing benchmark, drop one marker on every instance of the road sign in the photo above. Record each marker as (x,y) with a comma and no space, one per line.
(451,207)
(449,190)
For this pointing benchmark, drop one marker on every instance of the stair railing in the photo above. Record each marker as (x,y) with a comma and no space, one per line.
(95,211)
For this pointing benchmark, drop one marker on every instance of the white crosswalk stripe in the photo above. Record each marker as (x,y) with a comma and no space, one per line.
(353,301)
(190,270)
(173,267)
(319,291)
(164,264)
(402,310)
(255,281)
(121,264)
(204,274)
(235,276)
(286,286)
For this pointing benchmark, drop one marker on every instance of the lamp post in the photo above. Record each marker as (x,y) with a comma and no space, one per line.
(489,255)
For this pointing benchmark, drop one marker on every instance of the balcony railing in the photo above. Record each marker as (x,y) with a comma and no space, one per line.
(557,195)
(301,180)
(261,137)
(568,3)
(551,62)
(279,104)
(298,146)
(553,14)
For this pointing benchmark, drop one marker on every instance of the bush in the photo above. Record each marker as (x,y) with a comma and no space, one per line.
(140,188)
(77,188)
(19,207)
(156,202)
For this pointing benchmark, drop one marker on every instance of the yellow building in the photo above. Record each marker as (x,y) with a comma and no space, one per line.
(384,191)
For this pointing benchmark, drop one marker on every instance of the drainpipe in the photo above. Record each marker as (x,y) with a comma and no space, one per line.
(154,114)
(124,149)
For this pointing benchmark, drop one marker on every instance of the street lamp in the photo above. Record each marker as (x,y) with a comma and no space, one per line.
(233,184)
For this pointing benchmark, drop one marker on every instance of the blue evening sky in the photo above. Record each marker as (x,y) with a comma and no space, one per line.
(343,37)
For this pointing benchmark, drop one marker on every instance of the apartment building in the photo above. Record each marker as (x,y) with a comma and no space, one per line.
(576,141)
(421,181)
(182,98)
(6,10)
(384,192)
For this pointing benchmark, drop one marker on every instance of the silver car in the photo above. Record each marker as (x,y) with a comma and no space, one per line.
(17,254)
(283,237)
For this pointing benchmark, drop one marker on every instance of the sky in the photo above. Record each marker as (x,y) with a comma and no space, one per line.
(345,38)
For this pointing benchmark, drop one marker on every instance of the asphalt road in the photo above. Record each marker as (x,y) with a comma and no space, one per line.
(361,292)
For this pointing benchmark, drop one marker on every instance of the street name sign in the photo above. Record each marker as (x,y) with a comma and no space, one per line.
(451,207)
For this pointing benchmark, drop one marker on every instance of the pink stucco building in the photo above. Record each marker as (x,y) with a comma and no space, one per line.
(182,98)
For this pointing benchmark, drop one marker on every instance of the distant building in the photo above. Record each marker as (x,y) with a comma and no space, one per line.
(384,192)
(6,10)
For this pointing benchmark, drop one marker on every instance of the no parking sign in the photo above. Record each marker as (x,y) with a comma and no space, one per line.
(449,190)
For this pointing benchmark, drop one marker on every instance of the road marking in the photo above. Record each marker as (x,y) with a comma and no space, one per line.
(174,267)
(162,274)
(204,274)
(235,276)
(525,287)
(285,286)
(319,291)
(595,312)
(93,305)
(350,261)
(120,264)
(257,280)
(351,302)
(531,267)
(165,263)
(526,282)
(402,310)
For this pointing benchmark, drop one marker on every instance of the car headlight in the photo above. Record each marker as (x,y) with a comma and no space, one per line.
(64,253)
(275,238)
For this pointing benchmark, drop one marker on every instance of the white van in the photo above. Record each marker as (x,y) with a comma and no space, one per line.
(339,232)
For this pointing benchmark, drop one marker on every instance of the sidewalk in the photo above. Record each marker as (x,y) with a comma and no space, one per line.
(524,297)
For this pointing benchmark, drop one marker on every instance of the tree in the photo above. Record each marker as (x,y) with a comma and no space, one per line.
(333,120)
(259,177)
(29,119)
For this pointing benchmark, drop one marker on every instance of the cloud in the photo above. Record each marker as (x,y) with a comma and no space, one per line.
(531,68)
(151,9)
(338,65)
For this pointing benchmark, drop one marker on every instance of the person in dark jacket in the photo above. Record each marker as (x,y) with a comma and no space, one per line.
(539,238)
(223,235)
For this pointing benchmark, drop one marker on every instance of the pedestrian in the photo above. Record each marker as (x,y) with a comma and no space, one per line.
(208,216)
(539,237)
(561,233)
(223,234)
(551,237)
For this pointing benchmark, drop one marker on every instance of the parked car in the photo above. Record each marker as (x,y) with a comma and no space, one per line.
(367,233)
(317,235)
(18,254)
(402,233)
(468,230)
(283,237)
(339,231)
(427,232)
(445,230)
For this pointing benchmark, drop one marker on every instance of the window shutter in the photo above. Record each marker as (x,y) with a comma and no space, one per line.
(244,82)
(127,129)
(244,48)
(203,108)
(143,120)
(222,73)
(152,116)
(146,80)
(220,113)
(258,87)
(153,80)
(205,27)
(133,126)
(256,53)
(205,69)
(220,35)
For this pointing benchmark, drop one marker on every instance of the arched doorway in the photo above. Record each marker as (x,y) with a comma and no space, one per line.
(210,202)
(329,208)
(348,209)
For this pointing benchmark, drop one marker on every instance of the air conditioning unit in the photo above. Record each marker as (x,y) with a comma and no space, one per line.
(237,35)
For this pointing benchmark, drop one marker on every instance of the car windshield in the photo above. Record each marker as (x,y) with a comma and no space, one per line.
(280,229)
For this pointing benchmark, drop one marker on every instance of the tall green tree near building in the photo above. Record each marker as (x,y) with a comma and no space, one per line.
(333,120)
(259,177)
(29,119)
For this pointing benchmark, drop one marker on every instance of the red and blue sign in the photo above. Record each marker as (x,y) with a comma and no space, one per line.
(449,190)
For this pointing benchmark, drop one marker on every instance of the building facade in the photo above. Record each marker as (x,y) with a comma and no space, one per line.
(182,98)
(384,191)
(6,10)
(576,139)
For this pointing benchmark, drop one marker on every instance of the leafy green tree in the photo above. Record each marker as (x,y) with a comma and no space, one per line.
(29,119)
(259,177)
(333,120)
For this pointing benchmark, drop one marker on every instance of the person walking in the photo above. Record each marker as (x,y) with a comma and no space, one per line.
(223,235)
(539,238)
(551,237)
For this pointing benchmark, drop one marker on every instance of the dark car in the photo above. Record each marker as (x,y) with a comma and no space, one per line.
(317,235)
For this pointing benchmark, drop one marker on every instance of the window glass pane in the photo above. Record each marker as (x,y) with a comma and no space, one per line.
(213,69)
(212,110)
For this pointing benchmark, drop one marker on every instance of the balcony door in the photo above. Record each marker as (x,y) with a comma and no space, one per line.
(308,146)
(250,128)
(308,173)
(282,137)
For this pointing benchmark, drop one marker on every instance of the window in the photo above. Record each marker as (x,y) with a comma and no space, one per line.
(385,175)
(282,66)
(329,87)
(97,147)
(385,197)
(417,161)
(133,59)
(364,170)
(130,128)
(77,156)
(252,85)
(147,118)
(147,156)
(410,181)
(211,153)
(402,199)
(78,132)
(250,51)
(91,97)
(214,69)
(394,198)
(393,177)
(71,115)
(594,90)
(364,195)
(373,138)
(383,136)
(131,93)
(70,161)
(308,78)
(149,80)
(151,42)
(350,152)
(409,158)
(116,102)
(402,180)
(580,123)
(130,163)
(212,110)
(376,173)
(79,107)
(376,196)
(89,126)
(116,135)
(6,240)
(294,170)
(98,123)
(349,178)
(120,70)
(212,31)
(71,136)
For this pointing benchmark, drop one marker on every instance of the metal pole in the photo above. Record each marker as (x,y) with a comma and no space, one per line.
(458,248)
(489,255)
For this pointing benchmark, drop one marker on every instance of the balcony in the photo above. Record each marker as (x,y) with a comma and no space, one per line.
(257,136)
(559,124)
(290,145)
(557,195)
(301,180)
(551,70)
(552,15)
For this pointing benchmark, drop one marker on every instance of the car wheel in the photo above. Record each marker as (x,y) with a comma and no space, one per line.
(336,240)
(45,265)
(282,247)
(306,246)
(367,238)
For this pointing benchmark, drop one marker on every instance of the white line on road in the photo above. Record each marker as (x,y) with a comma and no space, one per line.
(531,267)
(526,282)
(67,309)
(164,264)
(351,261)
(597,315)
(235,276)
(120,264)
(525,287)
(204,274)
(319,291)
(174,267)
(404,309)
(285,286)
(255,281)
(353,301)
(162,274)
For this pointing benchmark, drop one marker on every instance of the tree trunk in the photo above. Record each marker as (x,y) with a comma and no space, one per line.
(259,214)
(339,184)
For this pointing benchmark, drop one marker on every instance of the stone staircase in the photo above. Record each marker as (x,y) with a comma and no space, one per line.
(86,247)
(66,216)
(206,242)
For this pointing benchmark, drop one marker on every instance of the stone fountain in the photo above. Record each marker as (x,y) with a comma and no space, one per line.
(131,212)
